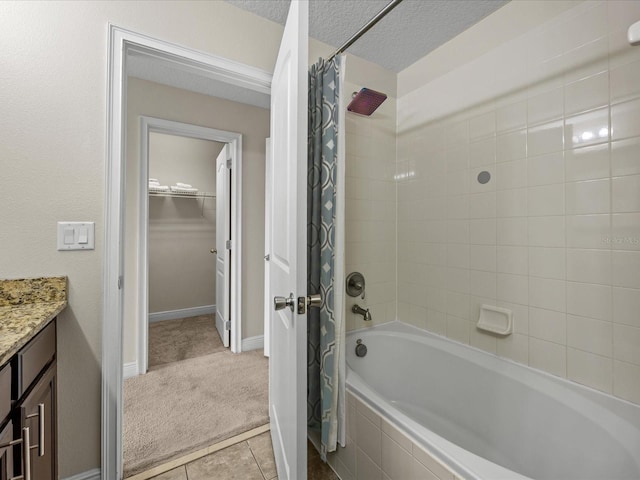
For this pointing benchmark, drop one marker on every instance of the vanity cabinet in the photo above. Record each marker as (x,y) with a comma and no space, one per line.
(32,373)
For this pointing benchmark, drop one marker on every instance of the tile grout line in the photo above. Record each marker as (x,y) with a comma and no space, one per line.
(256,460)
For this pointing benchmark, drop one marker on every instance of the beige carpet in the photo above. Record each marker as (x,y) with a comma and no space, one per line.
(174,340)
(181,407)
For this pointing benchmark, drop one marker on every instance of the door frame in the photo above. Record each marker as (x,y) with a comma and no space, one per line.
(234,140)
(120,41)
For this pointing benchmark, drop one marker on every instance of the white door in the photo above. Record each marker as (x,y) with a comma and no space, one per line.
(288,262)
(223,235)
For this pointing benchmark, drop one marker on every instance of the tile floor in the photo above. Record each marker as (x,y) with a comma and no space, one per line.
(248,460)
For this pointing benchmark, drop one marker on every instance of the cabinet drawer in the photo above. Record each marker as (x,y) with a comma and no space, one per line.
(35,356)
(5,392)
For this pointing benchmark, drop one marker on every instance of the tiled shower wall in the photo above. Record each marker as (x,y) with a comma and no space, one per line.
(554,117)
(371,207)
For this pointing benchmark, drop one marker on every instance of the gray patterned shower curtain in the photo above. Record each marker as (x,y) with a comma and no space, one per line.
(325,344)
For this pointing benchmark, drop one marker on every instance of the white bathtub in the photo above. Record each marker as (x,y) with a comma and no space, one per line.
(487,418)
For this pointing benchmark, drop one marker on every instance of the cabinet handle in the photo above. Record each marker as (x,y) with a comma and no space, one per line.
(26,454)
(40,415)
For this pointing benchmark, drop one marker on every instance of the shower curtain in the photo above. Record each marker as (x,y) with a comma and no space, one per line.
(325,255)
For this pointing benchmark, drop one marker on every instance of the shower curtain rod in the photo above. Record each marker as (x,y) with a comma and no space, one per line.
(379,16)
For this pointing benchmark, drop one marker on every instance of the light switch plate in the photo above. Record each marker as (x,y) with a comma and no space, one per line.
(83,235)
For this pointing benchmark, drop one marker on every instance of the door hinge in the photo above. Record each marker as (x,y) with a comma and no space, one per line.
(120,282)
(227,324)
(228,244)
(229,164)
(267,257)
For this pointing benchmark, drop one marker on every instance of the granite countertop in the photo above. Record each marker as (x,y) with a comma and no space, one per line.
(26,307)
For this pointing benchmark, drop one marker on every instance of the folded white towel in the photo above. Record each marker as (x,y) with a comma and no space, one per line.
(154,183)
(177,189)
(183,185)
(154,180)
(158,188)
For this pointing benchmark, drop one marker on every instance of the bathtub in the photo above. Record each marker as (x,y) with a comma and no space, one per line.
(488,418)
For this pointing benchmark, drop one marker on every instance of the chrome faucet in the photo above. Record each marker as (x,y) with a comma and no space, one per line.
(361,311)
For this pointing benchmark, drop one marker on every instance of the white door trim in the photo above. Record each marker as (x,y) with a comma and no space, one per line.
(234,140)
(120,42)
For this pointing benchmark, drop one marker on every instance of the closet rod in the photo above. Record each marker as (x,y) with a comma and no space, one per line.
(369,25)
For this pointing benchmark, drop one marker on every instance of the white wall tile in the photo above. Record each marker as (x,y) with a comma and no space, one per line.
(482,257)
(626,269)
(482,126)
(420,472)
(625,120)
(396,435)
(626,194)
(511,174)
(458,206)
(547,293)
(587,163)
(482,152)
(369,438)
(511,203)
(587,129)
(589,231)
(475,186)
(548,325)
(589,369)
(457,133)
(586,60)
(626,381)
(482,232)
(366,469)
(624,157)
(482,205)
(396,461)
(590,335)
(512,259)
(513,231)
(457,158)
(514,347)
(545,107)
(547,231)
(513,288)
(547,262)
(426,459)
(546,200)
(589,266)
(482,284)
(511,117)
(625,82)
(457,231)
(592,196)
(626,343)
(545,169)
(545,138)
(626,306)
(586,94)
(511,146)
(457,182)
(586,27)
(457,305)
(589,300)
(458,329)
(548,356)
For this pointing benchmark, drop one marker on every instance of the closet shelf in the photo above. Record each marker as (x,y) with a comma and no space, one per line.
(183,195)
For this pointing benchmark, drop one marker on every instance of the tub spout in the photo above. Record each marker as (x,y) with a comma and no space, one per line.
(361,311)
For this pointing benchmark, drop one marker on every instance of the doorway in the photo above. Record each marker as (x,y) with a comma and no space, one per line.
(235,77)
(228,284)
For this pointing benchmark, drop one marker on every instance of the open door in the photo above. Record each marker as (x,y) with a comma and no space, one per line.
(288,261)
(223,236)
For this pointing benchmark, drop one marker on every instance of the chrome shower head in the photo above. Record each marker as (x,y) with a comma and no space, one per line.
(366,101)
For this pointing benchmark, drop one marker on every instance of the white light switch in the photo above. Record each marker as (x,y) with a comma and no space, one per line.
(76,235)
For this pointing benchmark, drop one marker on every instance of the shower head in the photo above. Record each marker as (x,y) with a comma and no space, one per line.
(366,101)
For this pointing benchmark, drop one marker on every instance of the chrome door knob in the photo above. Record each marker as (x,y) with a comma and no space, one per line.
(280,303)
(213,250)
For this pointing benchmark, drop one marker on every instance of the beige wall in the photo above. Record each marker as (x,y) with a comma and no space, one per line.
(52,158)
(152,99)
(182,231)
(554,116)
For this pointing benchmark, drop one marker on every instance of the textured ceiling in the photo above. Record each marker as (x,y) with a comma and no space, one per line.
(409,32)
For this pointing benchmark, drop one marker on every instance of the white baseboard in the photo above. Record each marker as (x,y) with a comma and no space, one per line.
(130,370)
(182,313)
(252,343)
(90,475)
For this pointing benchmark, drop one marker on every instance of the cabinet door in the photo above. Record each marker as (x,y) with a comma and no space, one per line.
(6,454)
(43,467)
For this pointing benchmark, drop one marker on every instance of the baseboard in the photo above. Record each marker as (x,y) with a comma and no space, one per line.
(130,370)
(252,343)
(89,475)
(182,313)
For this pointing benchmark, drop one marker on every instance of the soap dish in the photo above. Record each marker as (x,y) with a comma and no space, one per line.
(495,320)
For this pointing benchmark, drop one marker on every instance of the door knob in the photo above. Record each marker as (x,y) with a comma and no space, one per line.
(309,301)
(280,303)
(213,250)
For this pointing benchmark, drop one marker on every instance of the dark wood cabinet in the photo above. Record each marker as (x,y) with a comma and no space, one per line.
(33,406)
